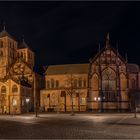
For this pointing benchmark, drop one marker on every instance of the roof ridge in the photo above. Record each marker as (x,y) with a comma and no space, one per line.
(4,33)
(69,64)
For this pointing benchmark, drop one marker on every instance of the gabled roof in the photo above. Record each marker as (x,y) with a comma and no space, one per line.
(4,33)
(67,69)
(104,48)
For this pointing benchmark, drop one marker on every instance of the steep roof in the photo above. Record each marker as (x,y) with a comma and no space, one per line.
(67,69)
(4,33)
(23,45)
(107,46)
(133,68)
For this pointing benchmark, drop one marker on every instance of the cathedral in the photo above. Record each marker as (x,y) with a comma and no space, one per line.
(107,83)
(16,75)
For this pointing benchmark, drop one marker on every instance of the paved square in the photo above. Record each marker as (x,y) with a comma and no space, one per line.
(65,126)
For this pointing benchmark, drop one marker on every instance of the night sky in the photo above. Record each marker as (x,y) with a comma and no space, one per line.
(69,32)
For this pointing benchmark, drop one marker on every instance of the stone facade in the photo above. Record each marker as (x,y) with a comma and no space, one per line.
(105,84)
(64,83)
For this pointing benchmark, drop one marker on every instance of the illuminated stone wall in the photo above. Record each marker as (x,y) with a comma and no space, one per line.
(56,88)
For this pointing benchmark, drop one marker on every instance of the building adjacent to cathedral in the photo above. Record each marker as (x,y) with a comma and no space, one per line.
(106,83)
(16,75)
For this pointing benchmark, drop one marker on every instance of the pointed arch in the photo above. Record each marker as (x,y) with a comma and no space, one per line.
(3,89)
(95,82)
(14,89)
(123,81)
(108,79)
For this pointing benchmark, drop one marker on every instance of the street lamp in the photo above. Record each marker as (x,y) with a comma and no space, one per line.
(27,101)
(98,99)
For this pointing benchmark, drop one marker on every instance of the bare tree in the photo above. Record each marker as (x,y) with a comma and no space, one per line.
(70,89)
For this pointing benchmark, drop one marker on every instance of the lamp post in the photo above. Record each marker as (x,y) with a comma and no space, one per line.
(98,99)
(135,111)
(118,100)
(27,102)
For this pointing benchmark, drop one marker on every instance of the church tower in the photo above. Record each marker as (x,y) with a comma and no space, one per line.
(26,54)
(8,49)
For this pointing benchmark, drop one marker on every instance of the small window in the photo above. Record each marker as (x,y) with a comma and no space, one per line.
(1,44)
(84,83)
(3,89)
(48,84)
(57,83)
(133,83)
(52,83)
(21,54)
(80,82)
(1,53)
(14,89)
(75,83)
(10,45)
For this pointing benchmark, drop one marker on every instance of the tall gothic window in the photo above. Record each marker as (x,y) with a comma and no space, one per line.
(133,83)
(109,84)
(108,80)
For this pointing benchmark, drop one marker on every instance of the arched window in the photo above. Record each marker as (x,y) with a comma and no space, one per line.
(80,82)
(123,82)
(57,83)
(1,44)
(75,83)
(94,83)
(52,83)
(108,79)
(21,54)
(133,83)
(3,89)
(48,84)
(14,89)
(1,53)
(84,83)
(109,84)
(18,54)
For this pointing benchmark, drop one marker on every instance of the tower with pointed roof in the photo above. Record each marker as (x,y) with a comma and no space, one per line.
(16,74)
(24,52)
(8,51)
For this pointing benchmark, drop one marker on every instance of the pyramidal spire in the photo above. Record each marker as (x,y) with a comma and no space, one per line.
(23,39)
(126,58)
(107,37)
(107,40)
(4,26)
(117,47)
(99,48)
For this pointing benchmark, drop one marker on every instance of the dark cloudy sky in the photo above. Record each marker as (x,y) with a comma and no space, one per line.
(69,32)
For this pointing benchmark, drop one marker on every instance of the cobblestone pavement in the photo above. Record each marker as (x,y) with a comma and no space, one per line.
(65,126)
